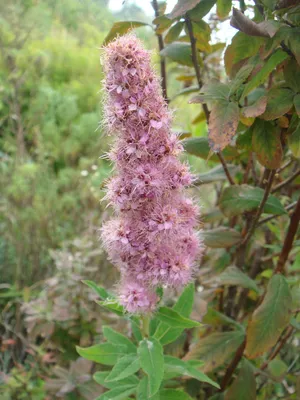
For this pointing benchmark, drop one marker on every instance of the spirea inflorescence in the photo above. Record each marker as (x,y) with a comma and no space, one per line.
(152,238)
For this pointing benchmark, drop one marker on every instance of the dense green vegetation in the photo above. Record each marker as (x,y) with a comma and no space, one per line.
(52,174)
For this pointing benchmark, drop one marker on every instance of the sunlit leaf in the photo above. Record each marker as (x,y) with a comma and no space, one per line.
(223,8)
(201,9)
(174,32)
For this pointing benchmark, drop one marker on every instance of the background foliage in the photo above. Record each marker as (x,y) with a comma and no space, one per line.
(247,288)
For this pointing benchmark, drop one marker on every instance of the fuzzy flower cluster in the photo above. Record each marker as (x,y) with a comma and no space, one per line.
(152,239)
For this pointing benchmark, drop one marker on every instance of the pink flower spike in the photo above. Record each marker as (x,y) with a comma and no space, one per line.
(152,239)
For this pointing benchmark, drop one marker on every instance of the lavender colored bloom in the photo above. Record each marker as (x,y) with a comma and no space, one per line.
(152,239)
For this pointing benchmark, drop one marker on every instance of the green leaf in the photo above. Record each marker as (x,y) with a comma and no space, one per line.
(173,394)
(296,102)
(164,333)
(242,46)
(267,144)
(181,7)
(277,369)
(120,28)
(237,199)
(235,277)
(162,24)
(152,363)
(221,237)
(201,9)
(215,174)
(223,123)
(172,318)
(101,292)
(117,338)
(200,376)
(112,305)
(136,330)
(212,92)
(105,353)
(294,142)
(179,52)
(214,215)
(270,318)
(184,304)
(265,71)
(143,389)
(198,146)
(215,318)
(100,377)
(185,91)
(125,366)
(201,32)
(216,348)
(280,101)
(119,393)
(174,32)
(242,75)
(244,386)
(292,75)
(175,367)
(223,8)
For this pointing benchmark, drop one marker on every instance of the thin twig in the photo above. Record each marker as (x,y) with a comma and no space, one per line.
(225,167)
(162,60)
(248,168)
(200,84)
(286,182)
(289,239)
(232,366)
(267,219)
(261,207)
(284,166)
(254,174)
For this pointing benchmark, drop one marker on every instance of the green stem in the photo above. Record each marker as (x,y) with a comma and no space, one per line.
(145,325)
